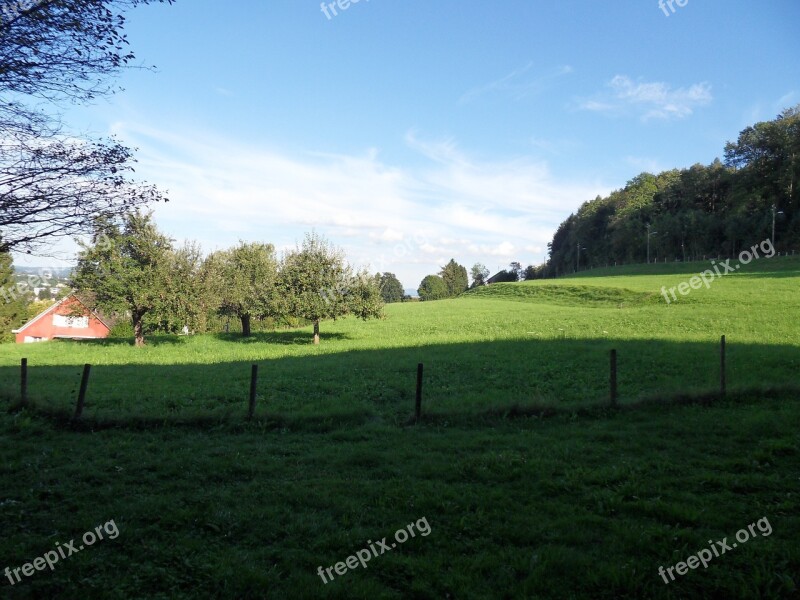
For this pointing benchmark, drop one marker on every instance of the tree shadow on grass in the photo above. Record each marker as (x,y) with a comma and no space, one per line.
(768,274)
(466,383)
(285,337)
(153,340)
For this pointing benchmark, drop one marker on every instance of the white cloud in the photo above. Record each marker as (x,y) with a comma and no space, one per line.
(503,250)
(387,235)
(653,100)
(404,220)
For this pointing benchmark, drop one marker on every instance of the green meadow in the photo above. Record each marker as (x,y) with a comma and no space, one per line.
(533,486)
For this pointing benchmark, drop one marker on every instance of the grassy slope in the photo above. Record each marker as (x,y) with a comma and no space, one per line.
(573,506)
(549,347)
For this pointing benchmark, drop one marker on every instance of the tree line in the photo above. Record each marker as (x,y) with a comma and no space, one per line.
(690,214)
(131,270)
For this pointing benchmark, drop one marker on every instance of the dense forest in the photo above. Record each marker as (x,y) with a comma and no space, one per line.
(689,214)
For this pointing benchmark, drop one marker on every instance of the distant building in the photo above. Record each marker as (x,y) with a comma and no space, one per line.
(67,319)
(502,277)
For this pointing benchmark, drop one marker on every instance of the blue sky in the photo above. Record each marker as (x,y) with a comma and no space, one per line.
(416,131)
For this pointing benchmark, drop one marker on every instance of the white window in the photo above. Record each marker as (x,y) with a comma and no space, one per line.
(71,322)
(30,339)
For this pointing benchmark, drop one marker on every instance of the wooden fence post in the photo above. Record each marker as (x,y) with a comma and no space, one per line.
(251,411)
(418,407)
(23,381)
(613,378)
(82,393)
(723,387)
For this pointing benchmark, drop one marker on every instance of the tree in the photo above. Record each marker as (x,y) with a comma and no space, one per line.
(13,302)
(248,277)
(55,52)
(432,288)
(532,273)
(516,269)
(455,278)
(127,269)
(712,210)
(364,297)
(479,274)
(186,295)
(52,186)
(64,49)
(391,288)
(36,308)
(316,283)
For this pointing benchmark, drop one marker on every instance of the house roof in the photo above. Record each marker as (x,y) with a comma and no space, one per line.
(56,305)
(493,278)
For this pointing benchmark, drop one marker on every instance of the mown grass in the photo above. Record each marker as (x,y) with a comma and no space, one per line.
(586,503)
(568,295)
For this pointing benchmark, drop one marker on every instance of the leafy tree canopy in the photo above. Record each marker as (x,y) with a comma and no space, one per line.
(133,268)
(432,288)
(702,211)
(247,282)
(13,300)
(479,274)
(455,278)
(317,283)
(391,288)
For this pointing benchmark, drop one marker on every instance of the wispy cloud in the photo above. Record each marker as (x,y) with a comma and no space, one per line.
(519,84)
(648,100)
(557,147)
(645,164)
(223,91)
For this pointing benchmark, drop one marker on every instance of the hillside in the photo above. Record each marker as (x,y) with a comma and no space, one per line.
(522,471)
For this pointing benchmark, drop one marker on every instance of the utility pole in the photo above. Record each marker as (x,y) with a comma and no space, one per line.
(649,233)
(780,212)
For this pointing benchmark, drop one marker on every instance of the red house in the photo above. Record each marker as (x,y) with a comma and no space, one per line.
(67,319)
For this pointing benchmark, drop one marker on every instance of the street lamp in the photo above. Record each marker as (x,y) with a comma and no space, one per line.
(780,212)
(649,233)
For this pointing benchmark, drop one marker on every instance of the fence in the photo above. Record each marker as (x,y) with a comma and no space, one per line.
(252,398)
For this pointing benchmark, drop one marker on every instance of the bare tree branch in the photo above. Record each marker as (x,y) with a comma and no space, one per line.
(52,184)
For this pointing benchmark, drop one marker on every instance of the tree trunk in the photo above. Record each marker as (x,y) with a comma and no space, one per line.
(138,329)
(316,332)
(245,325)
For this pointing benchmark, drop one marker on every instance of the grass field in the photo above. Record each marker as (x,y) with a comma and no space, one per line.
(532,486)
